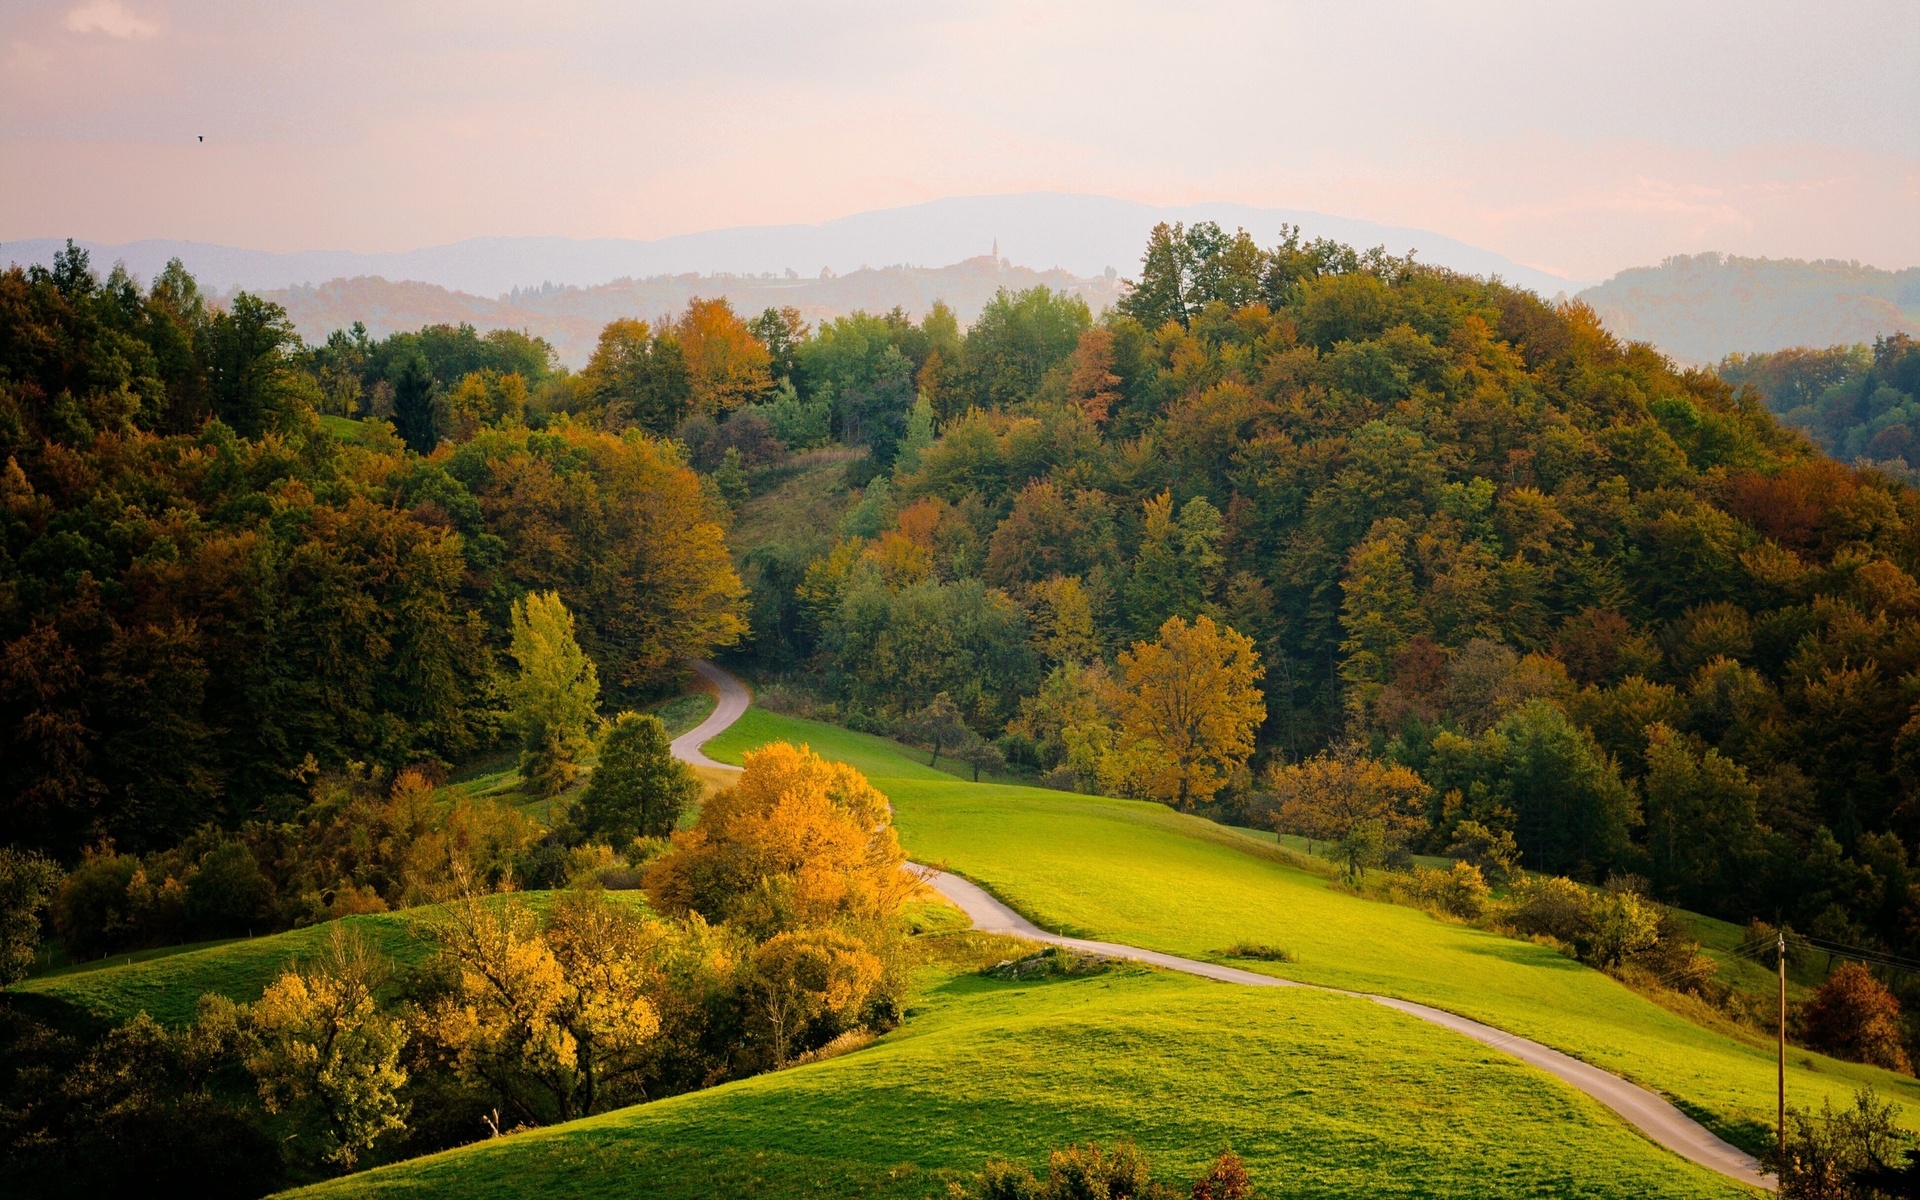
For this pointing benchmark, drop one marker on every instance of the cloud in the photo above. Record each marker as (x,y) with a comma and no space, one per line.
(111,18)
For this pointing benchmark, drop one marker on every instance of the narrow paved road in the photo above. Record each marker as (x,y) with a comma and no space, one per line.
(730,704)
(1645,1110)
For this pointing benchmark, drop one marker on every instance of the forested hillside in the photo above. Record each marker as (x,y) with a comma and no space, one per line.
(1603,605)
(1701,307)
(1860,403)
(207,598)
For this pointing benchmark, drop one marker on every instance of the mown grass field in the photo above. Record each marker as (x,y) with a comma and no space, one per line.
(1325,1096)
(1137,872)
(167,986)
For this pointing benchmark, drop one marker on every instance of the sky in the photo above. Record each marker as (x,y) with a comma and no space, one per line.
(1578,138)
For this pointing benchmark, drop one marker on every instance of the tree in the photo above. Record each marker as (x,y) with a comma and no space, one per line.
(796,841)
(552,1020)
(803,975)
(727,366)
(1177,563)
(1350,799)
(982,755)
(326,1050)
(939,726)
(1701,828)
(552,698)
(1189,709)
(1854,1016)
(637,378)
(414,415)
(250,368)
(639,789)
(1017,339)
(27,883)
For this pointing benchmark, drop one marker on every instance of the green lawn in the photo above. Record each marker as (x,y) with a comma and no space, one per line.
(167,985)
(1325,1096)
(1139,873)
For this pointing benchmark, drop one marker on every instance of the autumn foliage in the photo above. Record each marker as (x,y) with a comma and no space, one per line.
(796,841)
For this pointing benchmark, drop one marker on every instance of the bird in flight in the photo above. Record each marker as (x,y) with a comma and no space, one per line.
(203,137)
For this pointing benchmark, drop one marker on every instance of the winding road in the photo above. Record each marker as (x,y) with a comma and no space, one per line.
(1643,1109)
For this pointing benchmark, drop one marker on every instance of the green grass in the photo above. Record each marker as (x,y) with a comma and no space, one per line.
(1137,872)
(168,987)
(1324,1095)
(168,983)
(682,713)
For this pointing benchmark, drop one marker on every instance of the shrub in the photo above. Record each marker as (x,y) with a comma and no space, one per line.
(1854,1016)
(1845,1155)
(1226,1179)
(1493,851)
(1460,892)
(1259,951)
(1624,926)
(1553,907)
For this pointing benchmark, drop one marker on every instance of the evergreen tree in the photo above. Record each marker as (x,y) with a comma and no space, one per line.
(639,789)
(413,410)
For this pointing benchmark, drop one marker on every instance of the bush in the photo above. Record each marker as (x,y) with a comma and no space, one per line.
(1461,892)
(1090,1173)
(1493,851)
(1845,1155)
(1551,906)
(1854,1016)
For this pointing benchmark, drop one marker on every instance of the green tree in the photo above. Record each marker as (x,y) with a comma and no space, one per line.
(939,726)
(250,367)
(414,412)
(1018,338)
(637,377)
(27,883)
(638,789)
(1701,828)
(551,700)
(1177,564)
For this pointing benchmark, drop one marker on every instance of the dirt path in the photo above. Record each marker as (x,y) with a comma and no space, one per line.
(1643,1109)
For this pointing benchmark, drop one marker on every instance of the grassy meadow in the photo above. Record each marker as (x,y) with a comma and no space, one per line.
(1324,1095)
(1137,872)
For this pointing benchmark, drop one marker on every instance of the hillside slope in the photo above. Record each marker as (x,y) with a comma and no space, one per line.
(1136,872)
(1702,307)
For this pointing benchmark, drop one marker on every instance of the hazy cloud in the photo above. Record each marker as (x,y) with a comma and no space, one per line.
(1578,137)
(111,18)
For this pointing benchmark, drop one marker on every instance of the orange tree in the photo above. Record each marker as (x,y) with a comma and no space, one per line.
(1189,708)
(797,842)
(1348,798)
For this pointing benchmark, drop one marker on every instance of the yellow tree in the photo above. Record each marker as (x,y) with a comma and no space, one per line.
(798,977)
(1189,708)
(548,1019)
(797,841)
(726,365)
(324,1047)
(1348,798)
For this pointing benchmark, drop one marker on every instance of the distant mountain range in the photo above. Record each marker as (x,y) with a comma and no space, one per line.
(1696,308)
(1082,235)
(571,317)
(1701,308)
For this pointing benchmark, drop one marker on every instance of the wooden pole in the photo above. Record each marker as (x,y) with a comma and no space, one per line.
(1781,1127)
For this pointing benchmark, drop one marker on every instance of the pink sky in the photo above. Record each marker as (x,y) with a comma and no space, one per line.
(1577,138)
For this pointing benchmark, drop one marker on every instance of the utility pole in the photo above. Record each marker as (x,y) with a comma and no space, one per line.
(1781,1127)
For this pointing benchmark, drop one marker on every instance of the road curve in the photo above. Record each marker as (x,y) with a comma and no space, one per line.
(1643,1109)
(730,704)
